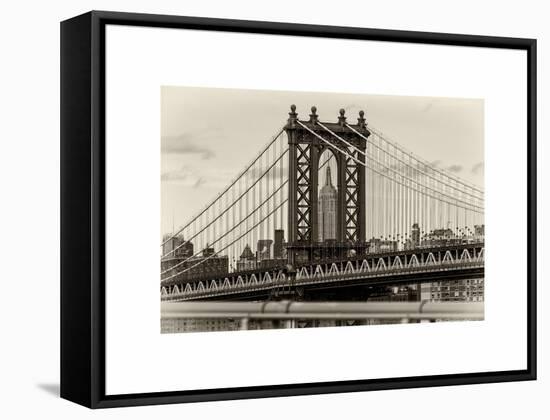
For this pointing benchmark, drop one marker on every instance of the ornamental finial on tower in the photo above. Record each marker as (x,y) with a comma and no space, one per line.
(361,121)
(313,117)
(342,117)
(292,116)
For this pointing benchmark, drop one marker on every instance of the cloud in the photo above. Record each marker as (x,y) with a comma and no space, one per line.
(275,172)
(192,177)
(416,170)
(477,168)
(455,168)
(183,144)
(200,181)
(428,107)
(184,175)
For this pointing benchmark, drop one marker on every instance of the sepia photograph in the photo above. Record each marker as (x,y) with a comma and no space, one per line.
(311,209)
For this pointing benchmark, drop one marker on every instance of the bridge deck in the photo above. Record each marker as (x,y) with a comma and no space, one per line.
(416,266)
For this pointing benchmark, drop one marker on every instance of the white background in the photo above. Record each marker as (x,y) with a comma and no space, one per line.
(140,60)
(30,255)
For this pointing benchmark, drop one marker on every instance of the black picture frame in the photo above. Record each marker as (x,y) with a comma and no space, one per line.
(83,208)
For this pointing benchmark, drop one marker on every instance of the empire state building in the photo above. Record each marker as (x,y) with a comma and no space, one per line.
(328,197)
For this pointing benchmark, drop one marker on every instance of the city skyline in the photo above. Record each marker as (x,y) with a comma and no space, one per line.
(203,148)
(331,209)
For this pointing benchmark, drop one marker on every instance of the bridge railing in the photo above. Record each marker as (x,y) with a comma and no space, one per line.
(278,265)
(292,311)
(318,274)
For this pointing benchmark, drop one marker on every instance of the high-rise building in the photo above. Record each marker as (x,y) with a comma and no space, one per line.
(441,237)
(263,249)
(247,260)
(382,245)
(176,246)
(470,290)
(415,235)
(479,231)
(183,269)
(278,245)
(328,197)
(208,251)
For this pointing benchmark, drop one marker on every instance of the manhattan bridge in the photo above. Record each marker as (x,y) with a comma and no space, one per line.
(398,220)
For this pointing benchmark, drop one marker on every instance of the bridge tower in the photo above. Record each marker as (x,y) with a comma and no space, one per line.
(307,140)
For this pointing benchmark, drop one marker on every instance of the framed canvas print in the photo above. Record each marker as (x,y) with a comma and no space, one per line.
(257,209)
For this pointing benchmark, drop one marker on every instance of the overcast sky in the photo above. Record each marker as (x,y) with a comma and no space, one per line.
(208,135)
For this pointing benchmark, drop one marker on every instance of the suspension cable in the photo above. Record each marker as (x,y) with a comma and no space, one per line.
(222,249)
(424,162)
(230,206)
(391,169)
(391,156)
(231,184)
(227,233)
(236,225)
(408,164)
